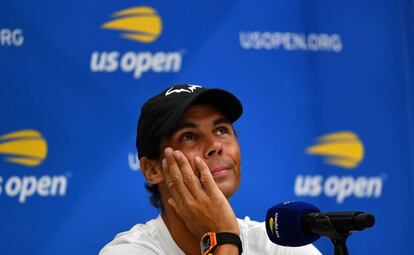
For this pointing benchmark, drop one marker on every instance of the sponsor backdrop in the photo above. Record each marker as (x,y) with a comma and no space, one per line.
(328,111)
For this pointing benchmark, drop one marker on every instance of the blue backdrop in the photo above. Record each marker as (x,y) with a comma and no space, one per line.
(327,89)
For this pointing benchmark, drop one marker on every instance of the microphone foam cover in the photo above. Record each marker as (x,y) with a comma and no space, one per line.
(283,224)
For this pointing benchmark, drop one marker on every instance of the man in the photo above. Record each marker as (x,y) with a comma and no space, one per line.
(190,157)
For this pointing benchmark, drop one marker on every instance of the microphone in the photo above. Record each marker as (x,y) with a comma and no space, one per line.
(298,223)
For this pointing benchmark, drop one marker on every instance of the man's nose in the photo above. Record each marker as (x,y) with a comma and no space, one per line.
(214,148)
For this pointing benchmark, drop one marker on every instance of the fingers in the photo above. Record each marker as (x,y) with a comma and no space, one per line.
(206,178)
(191,195)
(189,178)
(174,177)
(182,182)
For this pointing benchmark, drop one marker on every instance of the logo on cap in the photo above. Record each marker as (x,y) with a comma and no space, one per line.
(24,147)
(141,24)
(189,89)
(343,149)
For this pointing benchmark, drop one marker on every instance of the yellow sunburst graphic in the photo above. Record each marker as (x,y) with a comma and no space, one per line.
(142,24)
(271,224)
(25,147)
(343,149)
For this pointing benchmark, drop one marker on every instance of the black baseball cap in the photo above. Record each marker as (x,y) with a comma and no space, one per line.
(161,114)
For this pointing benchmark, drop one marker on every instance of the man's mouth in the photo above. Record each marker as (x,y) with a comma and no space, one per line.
(220,171)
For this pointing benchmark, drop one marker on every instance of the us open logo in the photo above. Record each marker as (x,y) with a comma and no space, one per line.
(28,149)
(345,150)
(24,147)
(142,25)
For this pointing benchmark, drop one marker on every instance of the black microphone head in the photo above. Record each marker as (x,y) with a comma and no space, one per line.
(364,220)
(283,224)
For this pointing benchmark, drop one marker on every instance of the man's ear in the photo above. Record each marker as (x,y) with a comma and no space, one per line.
(151,169)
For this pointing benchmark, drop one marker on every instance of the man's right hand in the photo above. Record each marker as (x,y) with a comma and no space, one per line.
(197,200)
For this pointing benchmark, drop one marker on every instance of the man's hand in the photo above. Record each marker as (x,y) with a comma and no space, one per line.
(197,200)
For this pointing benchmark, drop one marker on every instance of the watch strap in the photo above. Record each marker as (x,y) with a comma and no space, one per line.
(229,238)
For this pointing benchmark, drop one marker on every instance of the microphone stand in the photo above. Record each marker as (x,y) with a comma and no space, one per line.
(337,237)
(340,246)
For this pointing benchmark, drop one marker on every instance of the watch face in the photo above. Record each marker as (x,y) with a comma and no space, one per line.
(206,243)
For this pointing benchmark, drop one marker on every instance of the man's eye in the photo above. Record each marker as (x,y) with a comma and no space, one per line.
(222,130)
(187,137)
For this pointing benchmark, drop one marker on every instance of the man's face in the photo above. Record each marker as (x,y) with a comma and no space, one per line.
(205,132)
